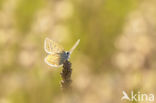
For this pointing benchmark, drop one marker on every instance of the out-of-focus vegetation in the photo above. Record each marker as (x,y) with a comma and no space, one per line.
(116,52)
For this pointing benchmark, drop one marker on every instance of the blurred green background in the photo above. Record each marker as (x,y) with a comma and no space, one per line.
(116,52)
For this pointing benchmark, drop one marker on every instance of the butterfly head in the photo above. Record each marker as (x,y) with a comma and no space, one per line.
(67,54)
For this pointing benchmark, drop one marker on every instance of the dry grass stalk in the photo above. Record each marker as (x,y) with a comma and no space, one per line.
(66,76)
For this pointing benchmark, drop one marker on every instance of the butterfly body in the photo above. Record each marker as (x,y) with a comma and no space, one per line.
(56,54)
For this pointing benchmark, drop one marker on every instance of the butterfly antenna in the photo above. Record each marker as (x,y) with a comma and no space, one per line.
(75,45)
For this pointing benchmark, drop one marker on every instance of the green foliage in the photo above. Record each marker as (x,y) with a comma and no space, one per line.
(99,24)
(25,13)
(1,3)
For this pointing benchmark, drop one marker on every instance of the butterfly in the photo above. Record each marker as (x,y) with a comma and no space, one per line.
(56,54)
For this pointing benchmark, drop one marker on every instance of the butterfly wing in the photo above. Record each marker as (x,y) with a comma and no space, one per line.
(75,45)
(55,60)
(52,47)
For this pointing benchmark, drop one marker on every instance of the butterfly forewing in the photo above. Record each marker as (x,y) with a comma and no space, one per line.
(52,47)
(74,46)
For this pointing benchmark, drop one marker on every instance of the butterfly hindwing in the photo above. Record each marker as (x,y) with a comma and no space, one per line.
(55,60)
